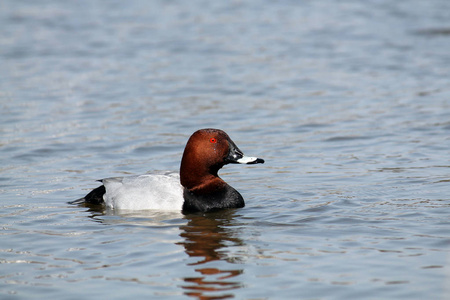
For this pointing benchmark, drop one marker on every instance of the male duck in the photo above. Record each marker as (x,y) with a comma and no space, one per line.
(197,188)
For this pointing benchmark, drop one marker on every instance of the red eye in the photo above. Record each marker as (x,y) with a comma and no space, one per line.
(213,140)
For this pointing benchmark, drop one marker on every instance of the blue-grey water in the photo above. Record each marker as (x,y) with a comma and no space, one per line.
(347,101)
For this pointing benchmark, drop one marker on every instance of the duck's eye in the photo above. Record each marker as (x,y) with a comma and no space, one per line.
(213,140)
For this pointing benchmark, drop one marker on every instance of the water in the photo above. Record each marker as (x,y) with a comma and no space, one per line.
(348,103)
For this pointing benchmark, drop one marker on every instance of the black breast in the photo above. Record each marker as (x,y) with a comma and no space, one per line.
(227,197)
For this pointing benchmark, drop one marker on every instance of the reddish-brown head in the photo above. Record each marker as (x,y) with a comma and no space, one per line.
(208,150)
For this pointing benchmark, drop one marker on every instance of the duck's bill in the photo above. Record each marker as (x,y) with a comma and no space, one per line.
(250,160)
(236,156)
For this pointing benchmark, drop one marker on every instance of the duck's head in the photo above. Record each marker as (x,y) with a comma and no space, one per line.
(206,151)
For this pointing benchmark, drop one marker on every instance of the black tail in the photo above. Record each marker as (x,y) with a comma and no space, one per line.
(94,197)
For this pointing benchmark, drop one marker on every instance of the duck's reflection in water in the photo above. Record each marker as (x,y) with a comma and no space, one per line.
(206,239)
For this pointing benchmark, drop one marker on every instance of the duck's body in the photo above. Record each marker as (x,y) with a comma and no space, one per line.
(197,188)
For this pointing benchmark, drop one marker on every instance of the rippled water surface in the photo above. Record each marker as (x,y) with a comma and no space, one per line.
(348,102)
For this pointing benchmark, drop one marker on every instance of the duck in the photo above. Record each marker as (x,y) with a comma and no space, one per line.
(196,188)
